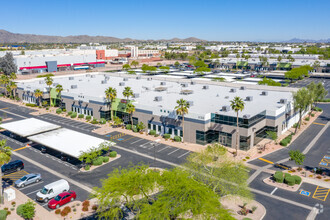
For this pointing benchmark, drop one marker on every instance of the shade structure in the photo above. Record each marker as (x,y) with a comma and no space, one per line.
(28,127)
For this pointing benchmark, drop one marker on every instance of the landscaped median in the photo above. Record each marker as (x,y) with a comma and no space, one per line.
(284,181)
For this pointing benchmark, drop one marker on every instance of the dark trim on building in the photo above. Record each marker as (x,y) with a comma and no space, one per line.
(96,102)
(67,97)
(143,111)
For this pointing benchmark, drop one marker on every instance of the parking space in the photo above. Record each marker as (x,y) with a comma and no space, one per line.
(68,122)
(158,150)
(307,81)
(321,193)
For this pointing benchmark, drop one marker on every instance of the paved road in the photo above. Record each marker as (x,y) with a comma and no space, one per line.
(307,81)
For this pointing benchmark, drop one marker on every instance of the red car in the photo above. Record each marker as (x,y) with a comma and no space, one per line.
(62,199)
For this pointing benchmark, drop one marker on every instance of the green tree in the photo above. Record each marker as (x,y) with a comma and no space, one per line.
(111,95)
(279,58)
(166,69)
(59,89)
(237,104)
(5,156)
(130,108)
(202,70)
(7,64)
(38,94)
(320,92)
(126,67)
(4,80)
(128,92)
(176,64)
(272,135)
(301,101)
(297,157)
(49,81)
(135,63)
(200,63)
(269,82)
(28,210)
(182,109)
(12,86)
(141,126)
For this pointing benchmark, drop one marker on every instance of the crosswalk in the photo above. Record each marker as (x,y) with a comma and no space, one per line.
(321,193)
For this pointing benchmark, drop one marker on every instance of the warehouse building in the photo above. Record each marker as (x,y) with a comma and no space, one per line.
(210,118)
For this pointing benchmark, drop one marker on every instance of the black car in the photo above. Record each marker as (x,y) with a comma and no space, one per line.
(13,166)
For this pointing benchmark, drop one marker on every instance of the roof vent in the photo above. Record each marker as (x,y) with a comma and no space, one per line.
(71,78)
(136,95)
(74,86)
(121,84)
(93,76)
(88,75)
(41,82)
(243,88)
(187,92)
(184,84)
(158,98)
(226,97)
(191,103)
(265,93)
(249,98)
(205,87)
(246,116)
(193,83)
(55,84)
(103,82)
(225,108)
(283,101)
(233,90)
(163,83)
(138,77)
(149,79)
(107,77)
(125,79)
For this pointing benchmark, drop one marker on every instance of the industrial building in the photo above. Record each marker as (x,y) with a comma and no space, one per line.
(209,119)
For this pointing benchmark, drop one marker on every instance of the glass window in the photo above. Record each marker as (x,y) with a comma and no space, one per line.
(170,131)
(154,127)
(181,133)
(149,126)
(159,128)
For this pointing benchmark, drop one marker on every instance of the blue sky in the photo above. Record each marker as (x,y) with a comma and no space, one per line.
(227,20)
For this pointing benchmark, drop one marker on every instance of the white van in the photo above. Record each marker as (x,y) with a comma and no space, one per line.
(51,190)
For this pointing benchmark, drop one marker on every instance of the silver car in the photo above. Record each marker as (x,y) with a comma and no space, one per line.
(28,179)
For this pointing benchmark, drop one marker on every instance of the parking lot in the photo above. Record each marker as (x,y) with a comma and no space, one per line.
(68,122)
(305,82)
(161,151)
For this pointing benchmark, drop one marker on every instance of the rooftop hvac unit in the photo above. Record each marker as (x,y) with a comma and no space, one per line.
(149,79)
(121,84)
(283,101)
(125,79)
(226,97)
(249,98)
(191,103)
(158,98)
(193,83)
(246,116)
(226,108)
(55,84)
(233,90)
(205,87)
(93,76)
(265,93)
(88,75)
(184,84)
(71,78)
(138,77)
(103,82)
(163,83)
(41,82)
(136,95)
(107,77)
(74,86)
(243,88)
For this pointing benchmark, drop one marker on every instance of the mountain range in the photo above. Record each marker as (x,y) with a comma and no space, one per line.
(297,40)
(8,37)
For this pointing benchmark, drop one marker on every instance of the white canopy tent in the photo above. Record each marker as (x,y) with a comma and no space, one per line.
(28,127)
(67,141)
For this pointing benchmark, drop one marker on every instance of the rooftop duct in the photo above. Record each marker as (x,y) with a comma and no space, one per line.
(136,95)
(206,87)
(249,98)
(226,108)
(283,101)
(74,86)
(121,84)
(163,83)
(233,90)
(184,84)
(265,93)
(71,78)
(158,98)
(243,88)
(125,79)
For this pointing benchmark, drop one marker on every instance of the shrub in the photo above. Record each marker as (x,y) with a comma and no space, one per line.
(85,208)
(64,110)
(113,154)
(12,209)
(295,125)
(64,213)
(80,116)
(297,179)
(47,108)
(106,159)
(312,114)
(317,109)
(88,117)
(74,209)
(135,129)
(289,180)
(13,203)
(98,161)
(286,175)
(58,111)
(26,210)
(57,211)
(73,115)
(103,121)
(94,121)
(128,126)
(167,136)
(86,203)
(156,135)
(69,113)
(30,105)
(67,209)
(152,132)
(94,207)
(278,176)
(3,214)
(177,138)
(45,75)
(19,209)
(307,119)
(87,167)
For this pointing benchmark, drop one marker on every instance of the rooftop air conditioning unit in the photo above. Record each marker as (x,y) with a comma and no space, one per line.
(107,77)
(138,77)
(193,83)
(191,103)
(74,86)
(163,83)
(184,84)
(283,101)
(125,79)
(136,95)
(226,108)
(247,116)
(88,75)
(71,78)
(265,93)
(41,82)
(121,84)
(158,98)
(103,82)
(55,84)
(206,87)
(226,97)
(149,79)
(249,98)
(233,90)
(243,88)
(93,76)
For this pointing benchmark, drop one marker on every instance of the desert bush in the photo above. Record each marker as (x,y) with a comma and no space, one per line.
(113,154)
(80,116)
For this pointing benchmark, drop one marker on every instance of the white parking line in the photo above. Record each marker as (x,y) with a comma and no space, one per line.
(137,141)
(273,191)
(173,151)
(164,148)
(45,204)
(143,145)
(184,154)
(32,192)
(33,184)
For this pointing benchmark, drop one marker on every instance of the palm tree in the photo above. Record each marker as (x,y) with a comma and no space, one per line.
(12,85)
(182,109)
(4,80)
(38,94)
(59,89)
(49,81)
(5,156)
(130,108)
(237,104)
(12,76)
(128,92)
(111,95)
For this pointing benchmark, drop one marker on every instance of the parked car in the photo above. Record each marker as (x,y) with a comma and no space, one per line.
(51,190)
(62,199)
(28,179)
(13,166)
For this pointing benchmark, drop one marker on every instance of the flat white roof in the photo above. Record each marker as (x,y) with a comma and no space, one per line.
(28,127)
(67,141)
